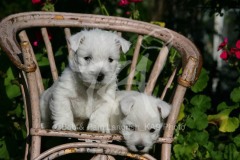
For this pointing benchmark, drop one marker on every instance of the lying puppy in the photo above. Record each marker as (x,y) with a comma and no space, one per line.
(140,118)
(86,89)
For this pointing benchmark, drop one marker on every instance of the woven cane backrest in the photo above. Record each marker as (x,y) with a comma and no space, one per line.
(16,33)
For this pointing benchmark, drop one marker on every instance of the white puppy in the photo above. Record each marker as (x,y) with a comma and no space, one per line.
(141,119)
(86,89)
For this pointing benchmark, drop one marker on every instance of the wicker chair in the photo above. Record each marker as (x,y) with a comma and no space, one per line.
(15,42)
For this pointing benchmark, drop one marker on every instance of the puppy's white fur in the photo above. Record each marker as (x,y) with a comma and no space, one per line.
(141,119)
(86,88)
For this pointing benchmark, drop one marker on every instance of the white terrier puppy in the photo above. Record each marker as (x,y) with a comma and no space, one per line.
(141,119)
(86,89)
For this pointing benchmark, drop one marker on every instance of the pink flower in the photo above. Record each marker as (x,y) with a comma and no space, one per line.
(123,2)
(36,1)
(38,39)
(233,53)
(128,13)
(238,44)
(224,55)
(127,2)
(236,52)
(35,43)
(223,44)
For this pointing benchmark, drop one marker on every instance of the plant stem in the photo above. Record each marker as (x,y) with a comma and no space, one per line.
(103,8)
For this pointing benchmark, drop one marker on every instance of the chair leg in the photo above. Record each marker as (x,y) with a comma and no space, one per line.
(166,152)
(171,121)
(35,147)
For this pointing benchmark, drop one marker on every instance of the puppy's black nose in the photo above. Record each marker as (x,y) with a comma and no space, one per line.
(100,77)
(140,147)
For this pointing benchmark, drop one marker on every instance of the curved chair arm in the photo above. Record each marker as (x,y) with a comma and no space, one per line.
(93,148)
(9,26)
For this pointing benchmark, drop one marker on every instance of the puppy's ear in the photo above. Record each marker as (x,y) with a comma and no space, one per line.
(76,40)
(164,108)
(126,105)
(123,44)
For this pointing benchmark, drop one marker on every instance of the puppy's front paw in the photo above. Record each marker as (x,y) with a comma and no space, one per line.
(70,126)
(46,125)
(99,127)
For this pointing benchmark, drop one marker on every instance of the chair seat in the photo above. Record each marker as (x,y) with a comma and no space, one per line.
(16,32)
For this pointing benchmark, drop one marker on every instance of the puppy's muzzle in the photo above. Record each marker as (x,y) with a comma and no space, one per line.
(140,147)
(100,77)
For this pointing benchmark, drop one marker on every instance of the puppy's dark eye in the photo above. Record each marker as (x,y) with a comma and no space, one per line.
(132,128)
(88,58)
(110,60)
(152,130)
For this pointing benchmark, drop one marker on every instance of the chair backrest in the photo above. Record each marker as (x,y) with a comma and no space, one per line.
(15,39)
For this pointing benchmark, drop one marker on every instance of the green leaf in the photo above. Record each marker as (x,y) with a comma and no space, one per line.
(144,64)
(9,78)
(226,123)
(215,155)
(60,51)
(136,14)
(153,43)
(230,152)
(18,111)
(48,6)
(174,56)
(197,120)
(42,61)
(209,146)
(236,140)
(181,114)
(12,90)
(179,138)
(229,124)
(202,82)
(201,102)
(185,151)
(235,95)
(222,106)
(198,137)
(3,150)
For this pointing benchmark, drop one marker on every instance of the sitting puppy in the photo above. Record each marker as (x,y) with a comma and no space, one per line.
(141,119)
(86,89)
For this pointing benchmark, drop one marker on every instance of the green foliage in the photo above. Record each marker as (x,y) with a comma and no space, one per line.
(12,126)
(231,152)
(201,138)
(181,113)
(225,122)
(202,82)
(185,151)
(235,95)
(236,140)
(198,120)
(212,152)
(12,89)
(201,102)
(3,150)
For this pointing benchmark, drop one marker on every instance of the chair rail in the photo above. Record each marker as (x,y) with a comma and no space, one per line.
(93,148)
(87,136)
